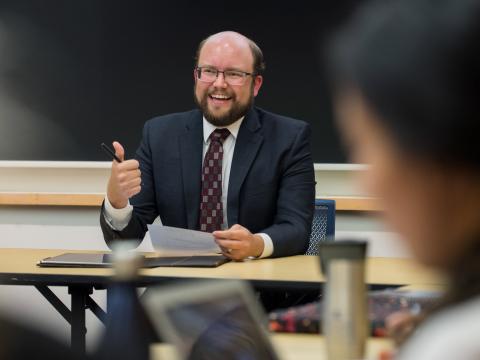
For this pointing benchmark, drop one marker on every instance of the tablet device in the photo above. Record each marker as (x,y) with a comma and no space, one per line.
(210,320)
(89,260)
(77,260)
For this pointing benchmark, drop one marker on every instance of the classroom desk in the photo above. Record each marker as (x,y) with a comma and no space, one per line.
(18,267)
(291,347)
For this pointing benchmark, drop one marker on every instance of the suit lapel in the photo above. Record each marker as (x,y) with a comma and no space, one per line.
(246,147)
(191,147)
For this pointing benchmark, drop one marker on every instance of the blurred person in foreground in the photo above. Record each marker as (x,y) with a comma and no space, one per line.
(20,342)
(406,78)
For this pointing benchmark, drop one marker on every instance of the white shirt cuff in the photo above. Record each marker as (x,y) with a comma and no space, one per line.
(118,219)
(267,245)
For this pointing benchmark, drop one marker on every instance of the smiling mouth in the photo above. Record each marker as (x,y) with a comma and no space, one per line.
(219,97)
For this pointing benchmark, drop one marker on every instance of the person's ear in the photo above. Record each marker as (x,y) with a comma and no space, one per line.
(257,84)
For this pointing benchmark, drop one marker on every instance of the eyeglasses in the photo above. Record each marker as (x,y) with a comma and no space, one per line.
(232,77)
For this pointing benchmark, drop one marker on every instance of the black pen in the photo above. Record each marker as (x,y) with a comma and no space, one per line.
(110,152)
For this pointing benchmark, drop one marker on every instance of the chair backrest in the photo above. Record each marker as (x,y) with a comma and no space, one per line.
(323,225)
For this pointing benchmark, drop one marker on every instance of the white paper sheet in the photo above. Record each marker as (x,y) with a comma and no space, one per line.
(172,240)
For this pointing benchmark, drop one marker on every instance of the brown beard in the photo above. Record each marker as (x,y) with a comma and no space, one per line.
(236,111)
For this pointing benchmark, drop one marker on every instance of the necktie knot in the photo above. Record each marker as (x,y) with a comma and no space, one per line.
(219,135)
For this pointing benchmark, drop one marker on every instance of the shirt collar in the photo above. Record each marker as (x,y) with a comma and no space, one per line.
(209,128)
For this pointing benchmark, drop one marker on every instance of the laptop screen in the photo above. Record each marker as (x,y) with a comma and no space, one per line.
(222,328)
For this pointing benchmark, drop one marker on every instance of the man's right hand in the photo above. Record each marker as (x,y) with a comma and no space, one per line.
(125,179)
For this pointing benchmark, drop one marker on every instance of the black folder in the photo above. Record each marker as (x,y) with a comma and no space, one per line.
(86,260)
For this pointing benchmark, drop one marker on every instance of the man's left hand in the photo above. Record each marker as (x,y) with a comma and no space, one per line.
(238,243)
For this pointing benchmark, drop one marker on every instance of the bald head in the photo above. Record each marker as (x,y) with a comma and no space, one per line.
(236,44)
(228,37)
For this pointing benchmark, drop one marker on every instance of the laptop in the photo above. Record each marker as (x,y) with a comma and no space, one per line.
(210,320)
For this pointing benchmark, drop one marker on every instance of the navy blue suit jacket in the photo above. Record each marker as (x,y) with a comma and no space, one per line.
(271,189)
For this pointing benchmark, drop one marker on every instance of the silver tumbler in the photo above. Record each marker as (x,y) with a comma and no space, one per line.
(345,324)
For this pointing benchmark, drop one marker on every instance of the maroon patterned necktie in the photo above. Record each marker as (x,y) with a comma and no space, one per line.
(211,208)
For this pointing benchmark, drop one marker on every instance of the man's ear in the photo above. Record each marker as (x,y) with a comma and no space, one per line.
(257,84)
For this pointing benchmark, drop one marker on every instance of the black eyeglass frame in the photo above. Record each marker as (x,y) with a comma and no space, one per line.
(199,69)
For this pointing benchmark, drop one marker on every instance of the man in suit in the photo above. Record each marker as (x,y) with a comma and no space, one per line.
(229,168)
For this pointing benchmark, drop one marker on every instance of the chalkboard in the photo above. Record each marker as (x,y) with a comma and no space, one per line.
(74,74)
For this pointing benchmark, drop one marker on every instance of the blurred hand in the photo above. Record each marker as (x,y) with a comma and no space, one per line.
(401,324)
(125,180)
(386,355)
(238,242)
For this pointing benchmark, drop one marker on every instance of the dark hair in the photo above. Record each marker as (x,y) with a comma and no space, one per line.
(417,64)
(258,61)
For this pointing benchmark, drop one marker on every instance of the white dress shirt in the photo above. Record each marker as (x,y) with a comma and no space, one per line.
(118,219)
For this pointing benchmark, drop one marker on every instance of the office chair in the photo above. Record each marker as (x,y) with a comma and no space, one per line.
(323,225)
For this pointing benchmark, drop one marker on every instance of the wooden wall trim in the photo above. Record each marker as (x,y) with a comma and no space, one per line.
(355,203)
(50,199)
(344,203)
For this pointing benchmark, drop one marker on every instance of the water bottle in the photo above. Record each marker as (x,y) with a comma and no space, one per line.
(128,333)
(345,324)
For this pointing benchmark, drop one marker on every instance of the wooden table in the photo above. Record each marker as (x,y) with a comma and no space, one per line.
(18,267)
(291,347)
